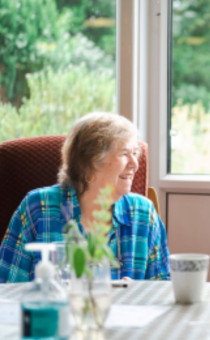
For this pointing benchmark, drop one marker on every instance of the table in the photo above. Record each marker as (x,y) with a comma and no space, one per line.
(178,322)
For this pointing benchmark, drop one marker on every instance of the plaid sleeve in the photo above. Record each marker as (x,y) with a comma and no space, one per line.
(158,263)
(15,262)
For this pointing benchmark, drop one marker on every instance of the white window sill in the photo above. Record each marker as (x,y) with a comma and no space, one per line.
(185,183)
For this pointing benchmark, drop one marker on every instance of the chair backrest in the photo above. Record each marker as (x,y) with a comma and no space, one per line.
(33,162)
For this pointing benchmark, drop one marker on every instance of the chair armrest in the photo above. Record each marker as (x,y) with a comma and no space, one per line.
(152,195)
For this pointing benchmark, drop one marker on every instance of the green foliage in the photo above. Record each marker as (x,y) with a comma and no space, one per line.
(84,51)
(190,119)
(93,248)
(191,94)
(37,33)
(191,52)
(22,24)
(56,100)
(9,122)
(83,11)
(190,139)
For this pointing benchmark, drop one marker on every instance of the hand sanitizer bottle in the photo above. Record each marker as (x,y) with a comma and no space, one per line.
(45,309)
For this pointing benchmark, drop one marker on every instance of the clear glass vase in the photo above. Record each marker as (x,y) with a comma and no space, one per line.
(90,297)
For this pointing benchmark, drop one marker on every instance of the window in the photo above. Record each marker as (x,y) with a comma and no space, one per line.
(189,135)
(57,62)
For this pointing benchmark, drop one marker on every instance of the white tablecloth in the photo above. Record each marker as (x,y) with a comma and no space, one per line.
(177,322)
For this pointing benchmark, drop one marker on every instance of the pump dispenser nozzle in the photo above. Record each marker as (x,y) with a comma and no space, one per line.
(44,269)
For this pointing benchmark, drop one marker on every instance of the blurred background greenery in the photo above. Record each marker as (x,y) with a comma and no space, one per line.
(57,62)
(190,112)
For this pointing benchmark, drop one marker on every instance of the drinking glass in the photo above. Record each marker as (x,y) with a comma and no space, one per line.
(90,296)
(58,258)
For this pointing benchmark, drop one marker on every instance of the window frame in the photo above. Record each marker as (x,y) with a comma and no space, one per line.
(144,96)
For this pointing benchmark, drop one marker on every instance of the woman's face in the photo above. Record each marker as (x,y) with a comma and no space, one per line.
(118,168)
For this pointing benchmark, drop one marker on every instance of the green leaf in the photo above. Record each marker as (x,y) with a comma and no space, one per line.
(91,243)
(79,261)
(102,215)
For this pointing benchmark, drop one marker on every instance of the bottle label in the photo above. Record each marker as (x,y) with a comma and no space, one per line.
(45,320)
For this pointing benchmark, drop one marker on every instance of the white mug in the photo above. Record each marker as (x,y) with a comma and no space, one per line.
(189,274)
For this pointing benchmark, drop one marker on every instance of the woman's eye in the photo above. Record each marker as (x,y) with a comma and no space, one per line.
(136,154)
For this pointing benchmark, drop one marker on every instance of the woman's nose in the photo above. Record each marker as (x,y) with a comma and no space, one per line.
(134,163)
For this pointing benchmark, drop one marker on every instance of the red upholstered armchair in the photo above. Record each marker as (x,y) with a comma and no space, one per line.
(29,163)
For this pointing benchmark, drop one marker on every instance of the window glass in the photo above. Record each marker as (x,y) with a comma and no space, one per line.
(190,88)
(57,62)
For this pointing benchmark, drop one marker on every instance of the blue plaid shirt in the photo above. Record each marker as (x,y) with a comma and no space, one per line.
(40,218)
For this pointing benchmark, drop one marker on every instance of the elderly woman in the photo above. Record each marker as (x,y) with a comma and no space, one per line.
(100,149)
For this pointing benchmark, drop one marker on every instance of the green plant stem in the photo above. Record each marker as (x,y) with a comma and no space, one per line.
(93,303)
